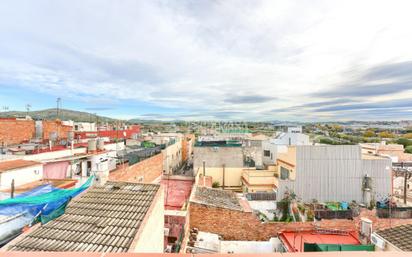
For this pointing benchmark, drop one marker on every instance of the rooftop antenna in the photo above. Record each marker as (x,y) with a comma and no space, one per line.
(28,106)
(58,101)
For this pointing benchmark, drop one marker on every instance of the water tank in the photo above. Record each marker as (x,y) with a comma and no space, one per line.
(39,129)
(92,145)
(70,136)
(100,144)
(367,183)
(53,136)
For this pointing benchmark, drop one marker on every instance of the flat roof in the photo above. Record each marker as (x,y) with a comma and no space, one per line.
(294,240)
(373,157)
(177,192)
(16,164)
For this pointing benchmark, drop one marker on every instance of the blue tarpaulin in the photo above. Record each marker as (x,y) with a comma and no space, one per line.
(46,203)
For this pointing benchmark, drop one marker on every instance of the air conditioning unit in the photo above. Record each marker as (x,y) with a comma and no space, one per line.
(166,231)
(377,241)
(366,227)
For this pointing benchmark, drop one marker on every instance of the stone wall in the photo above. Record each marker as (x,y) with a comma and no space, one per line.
(145,171)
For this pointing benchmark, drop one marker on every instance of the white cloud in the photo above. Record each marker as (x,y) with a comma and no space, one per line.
(193,54)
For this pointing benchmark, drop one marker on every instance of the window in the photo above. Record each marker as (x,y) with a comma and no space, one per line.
(284,173)
(266,153)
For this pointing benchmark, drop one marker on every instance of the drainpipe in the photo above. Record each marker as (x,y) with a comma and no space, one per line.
(204,168)
(223,184)
(405,185)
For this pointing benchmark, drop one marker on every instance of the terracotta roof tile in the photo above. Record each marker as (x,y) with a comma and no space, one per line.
(216,198)
(16,164)
(400,236)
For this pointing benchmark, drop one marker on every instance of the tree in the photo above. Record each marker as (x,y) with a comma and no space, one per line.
(408,136)
(369,133)
(404,141)
(386,134)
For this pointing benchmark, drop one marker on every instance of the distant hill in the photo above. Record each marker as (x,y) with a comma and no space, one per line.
(64,114)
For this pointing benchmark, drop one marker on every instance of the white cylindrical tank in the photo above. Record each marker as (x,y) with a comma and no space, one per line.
(100,144)
(91,146)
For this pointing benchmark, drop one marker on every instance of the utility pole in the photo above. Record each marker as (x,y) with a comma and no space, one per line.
(5,108)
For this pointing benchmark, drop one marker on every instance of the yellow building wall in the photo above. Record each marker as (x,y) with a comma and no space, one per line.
(288,161)
(150,239)
(232,175)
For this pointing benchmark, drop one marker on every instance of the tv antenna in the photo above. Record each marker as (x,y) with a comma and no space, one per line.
(28,106)
(59,102)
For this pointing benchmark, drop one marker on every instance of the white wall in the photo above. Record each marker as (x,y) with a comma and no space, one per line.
(274,150)
(54,154)
(21,176)
(151,234)
(84,126)
(249,246)
(115,146)
(172,156)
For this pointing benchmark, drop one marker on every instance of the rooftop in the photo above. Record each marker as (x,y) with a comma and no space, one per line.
(216,198)
(104,219)
(16,164)
(373,157)
(218,143)
(294,240)
(176,192)
(400,236)
(323,254)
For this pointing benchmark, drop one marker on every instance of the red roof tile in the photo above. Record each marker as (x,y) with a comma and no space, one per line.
(16,164)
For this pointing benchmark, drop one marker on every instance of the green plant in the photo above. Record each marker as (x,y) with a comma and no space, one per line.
(215,184)
(310,216)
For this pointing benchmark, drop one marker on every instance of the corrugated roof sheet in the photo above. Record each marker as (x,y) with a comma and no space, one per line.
(216,198)
(105,219)
(16,164)
(400,236)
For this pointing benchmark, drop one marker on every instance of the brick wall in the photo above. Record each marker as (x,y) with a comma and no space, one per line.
(14,131)
(50,126)
(187,144)
(145,171)
(238,225)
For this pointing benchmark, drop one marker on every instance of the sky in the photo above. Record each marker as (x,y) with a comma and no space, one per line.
(209,60)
